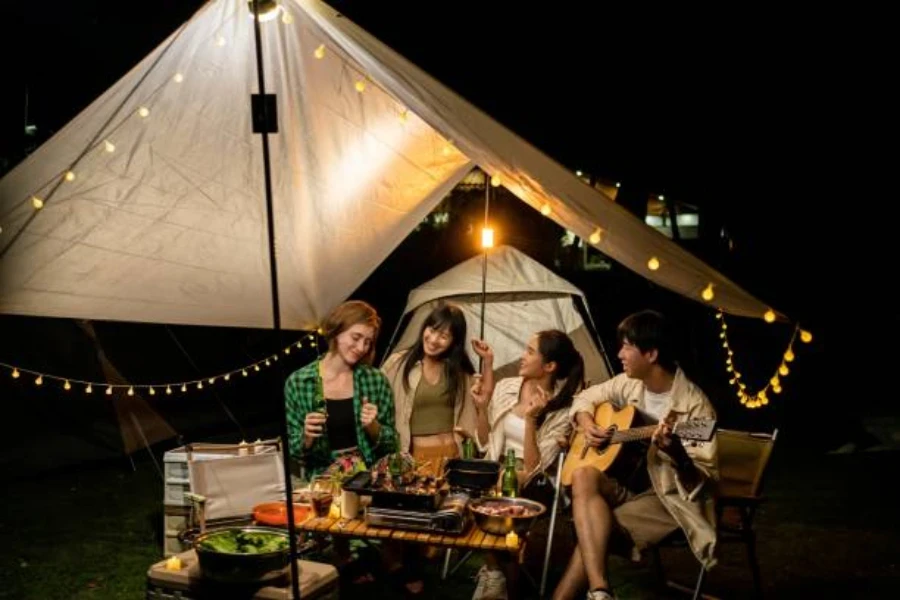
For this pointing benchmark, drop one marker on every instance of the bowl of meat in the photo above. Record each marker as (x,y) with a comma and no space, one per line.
(499,516)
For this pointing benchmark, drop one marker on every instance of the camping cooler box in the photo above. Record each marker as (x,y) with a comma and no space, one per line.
(317,581)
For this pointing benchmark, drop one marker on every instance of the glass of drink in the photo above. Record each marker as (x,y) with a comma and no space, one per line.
(322,495)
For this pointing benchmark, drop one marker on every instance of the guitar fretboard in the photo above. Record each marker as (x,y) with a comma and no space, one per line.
(632,435)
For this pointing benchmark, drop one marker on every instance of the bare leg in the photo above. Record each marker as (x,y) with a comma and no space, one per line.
(593,523)
(573,581)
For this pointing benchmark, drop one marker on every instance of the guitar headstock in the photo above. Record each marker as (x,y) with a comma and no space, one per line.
(697,430)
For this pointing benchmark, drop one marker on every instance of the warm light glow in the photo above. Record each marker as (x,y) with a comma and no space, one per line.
(360,86)
(769,316)
(67,386)
(320,52)
(776,389)
(487,237)
(183,387)
(618,185)
(653,263)
(783,370)
(256,367)
(220,41)
(199,385)
(596,236)
(707,293)
(495,180)
(37,203)
(227,377)
(288,349)
(15,373)
(89,389)
(286,18)
(39,380)
(211,380)
(109,146)
(578,173)
(268,9)
(267,362)
(244,372)
(661,197)
(775,381)
(546,210)
(168,390)
(70,176)
(144,112)
(789,355)
(152,391)
(109,390)
(178,78)
(805,336)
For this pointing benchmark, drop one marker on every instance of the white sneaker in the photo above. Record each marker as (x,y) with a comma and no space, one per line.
(599,595)
(491,585)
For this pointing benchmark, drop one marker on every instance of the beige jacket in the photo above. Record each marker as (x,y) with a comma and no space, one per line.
(556,426)
(463,408)
(694,511)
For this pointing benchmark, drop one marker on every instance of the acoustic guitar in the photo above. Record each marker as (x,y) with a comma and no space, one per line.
(623,421)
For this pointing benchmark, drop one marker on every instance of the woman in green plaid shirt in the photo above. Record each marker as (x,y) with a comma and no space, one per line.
(339,403)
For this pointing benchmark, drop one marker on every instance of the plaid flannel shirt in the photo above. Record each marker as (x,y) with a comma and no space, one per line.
(301,394)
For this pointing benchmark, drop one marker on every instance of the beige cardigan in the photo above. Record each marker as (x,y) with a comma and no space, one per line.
(463,408)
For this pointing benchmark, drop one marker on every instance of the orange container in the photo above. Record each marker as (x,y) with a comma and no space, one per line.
(275,513)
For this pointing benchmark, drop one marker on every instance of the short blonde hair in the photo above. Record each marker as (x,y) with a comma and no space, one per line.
(345,316)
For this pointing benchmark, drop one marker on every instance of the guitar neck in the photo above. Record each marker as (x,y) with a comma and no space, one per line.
(633,435)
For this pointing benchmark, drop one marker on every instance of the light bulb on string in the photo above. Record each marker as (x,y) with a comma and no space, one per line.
(805,336)
(89,389)
(596,236)
(109,146)
(546,210)
(653,263)
(144,112)
(130,391)
(707,293)
(39,380)
(227,376)
(244,372)
(776,389)
(37,203)
(184,387)
(109,389)
(15,373)
(287,350)
(360,86)
(783,370)
(256,367)
(211,380)
(199,385)
(70,176)
(320,52)
(152,391)
(168,390)
(178,78)
(495,180)
(769,316)
(487,237)
(789,355)
(67,386)
(268,363)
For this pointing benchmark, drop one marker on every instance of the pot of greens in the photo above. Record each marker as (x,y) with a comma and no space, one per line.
(242,554)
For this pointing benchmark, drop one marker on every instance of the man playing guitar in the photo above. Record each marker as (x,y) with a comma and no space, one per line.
(607,511)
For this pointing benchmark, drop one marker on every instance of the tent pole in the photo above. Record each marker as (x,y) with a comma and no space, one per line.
(276,311)
(484,251)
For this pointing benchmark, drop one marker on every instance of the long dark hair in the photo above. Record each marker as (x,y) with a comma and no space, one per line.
(456,362)
(555,346)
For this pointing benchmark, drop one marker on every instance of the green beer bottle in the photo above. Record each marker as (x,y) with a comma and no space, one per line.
(510,485)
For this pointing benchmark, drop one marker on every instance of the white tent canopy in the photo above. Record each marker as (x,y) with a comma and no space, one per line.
(521,297)
(164,218)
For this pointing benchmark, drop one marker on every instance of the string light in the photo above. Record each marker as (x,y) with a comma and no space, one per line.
(596,236)
(707,293)
(67,382)
(320,52)
(70,176)
(769,316)
(109,146)
(360,86)
(805,336)
(178,78)
(495,180)
(653,263)
(144,112)
(37,203)
(618,184)
(546,210)
(775,383)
